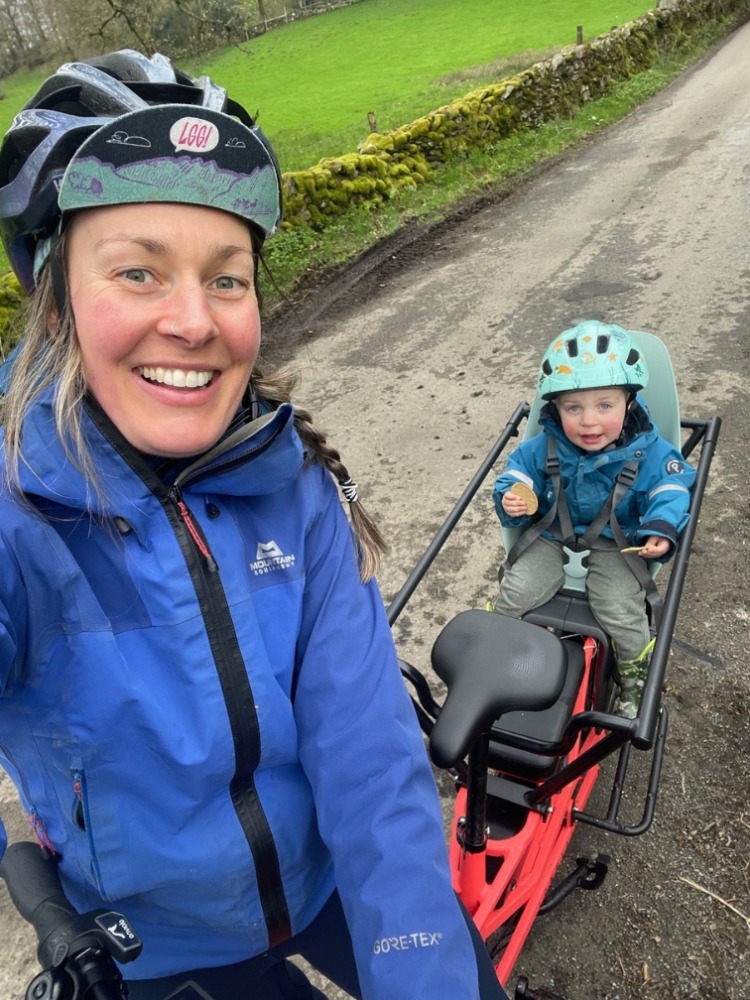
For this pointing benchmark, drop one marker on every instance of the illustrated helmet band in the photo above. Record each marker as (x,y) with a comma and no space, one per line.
(176,153)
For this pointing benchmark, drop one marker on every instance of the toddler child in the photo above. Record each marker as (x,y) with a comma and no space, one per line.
(598,429)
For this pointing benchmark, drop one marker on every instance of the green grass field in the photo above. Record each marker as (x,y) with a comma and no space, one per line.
(314,81)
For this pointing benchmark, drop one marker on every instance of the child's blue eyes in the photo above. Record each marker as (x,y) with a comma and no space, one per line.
(575,410)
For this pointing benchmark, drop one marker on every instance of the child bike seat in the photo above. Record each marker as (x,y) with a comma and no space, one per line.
(660,396)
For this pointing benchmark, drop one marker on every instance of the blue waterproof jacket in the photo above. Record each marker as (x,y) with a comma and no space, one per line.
(201,708)
(656,504)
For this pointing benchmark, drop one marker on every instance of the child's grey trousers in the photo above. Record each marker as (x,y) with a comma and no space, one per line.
(616,598)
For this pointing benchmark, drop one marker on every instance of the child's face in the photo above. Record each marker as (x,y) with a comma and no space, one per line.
(593,418)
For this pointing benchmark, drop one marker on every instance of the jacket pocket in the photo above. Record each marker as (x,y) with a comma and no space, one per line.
(82,819)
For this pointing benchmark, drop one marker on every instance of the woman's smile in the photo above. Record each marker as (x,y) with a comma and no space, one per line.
(177,377)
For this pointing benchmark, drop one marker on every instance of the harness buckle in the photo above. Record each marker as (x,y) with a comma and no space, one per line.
(575,568)
(627,474)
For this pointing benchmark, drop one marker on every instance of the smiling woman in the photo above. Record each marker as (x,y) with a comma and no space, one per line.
(200,702)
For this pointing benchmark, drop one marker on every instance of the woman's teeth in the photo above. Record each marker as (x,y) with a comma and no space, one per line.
(177,377)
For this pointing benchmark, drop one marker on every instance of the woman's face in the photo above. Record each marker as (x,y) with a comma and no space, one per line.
(167,320)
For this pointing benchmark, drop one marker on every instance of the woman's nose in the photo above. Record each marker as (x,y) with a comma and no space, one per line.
(188,318)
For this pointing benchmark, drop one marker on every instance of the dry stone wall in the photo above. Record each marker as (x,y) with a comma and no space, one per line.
(406,157)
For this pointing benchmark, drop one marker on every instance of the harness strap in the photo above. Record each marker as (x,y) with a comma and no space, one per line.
(639,568)
(624,480)
(572,543)
(552,468)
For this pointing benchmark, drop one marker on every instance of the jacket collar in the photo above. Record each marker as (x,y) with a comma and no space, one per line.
(128,478)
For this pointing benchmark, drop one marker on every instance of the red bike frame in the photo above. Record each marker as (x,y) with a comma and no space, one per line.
(524,863)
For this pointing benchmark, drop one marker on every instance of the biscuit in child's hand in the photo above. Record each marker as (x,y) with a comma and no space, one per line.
(526,494)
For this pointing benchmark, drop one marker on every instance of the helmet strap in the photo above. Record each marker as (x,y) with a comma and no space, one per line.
(59,280)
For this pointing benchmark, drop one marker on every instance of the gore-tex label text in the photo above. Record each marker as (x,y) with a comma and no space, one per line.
(407,942)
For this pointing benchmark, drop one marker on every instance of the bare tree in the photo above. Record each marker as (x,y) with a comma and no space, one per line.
(40,32)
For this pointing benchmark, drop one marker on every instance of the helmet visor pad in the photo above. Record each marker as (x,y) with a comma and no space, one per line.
(177,153)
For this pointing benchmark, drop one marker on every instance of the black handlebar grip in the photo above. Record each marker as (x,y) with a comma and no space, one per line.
(33,881)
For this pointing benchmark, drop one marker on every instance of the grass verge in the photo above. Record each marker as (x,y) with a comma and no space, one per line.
(303,258)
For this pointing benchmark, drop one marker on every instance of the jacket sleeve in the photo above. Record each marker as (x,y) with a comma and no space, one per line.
(377,805)
(667,501)
(524,465)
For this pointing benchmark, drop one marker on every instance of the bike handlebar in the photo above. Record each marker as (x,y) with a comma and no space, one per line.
(33,881)
(76,950)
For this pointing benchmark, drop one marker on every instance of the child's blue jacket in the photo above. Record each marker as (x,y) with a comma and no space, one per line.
(201,708)
(656,504)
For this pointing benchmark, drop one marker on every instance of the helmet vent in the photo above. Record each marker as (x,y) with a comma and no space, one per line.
(602,343)
(571,346)
(546,367)
(633,356)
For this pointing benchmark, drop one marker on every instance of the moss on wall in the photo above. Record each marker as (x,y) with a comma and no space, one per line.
(556,88)
(12,298)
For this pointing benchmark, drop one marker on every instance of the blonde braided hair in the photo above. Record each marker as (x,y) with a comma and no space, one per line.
(275,386)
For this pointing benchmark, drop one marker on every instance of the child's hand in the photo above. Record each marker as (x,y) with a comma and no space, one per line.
(655,547)
(514,506)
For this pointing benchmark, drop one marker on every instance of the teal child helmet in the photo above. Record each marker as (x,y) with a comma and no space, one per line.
(592,355)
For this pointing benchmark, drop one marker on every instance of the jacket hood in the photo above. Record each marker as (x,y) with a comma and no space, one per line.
(128,478)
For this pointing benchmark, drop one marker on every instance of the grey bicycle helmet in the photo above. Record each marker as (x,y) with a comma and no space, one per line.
(123,128)
(592,355)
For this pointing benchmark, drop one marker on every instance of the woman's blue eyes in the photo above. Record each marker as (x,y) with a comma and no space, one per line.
(136,274)
(225,283)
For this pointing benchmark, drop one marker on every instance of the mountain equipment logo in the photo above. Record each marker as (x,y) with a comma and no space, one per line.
(269,557)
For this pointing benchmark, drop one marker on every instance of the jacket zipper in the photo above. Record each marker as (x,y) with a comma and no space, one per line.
(200,542)
(79,787)
(35,820)
(240,703)
(230,665)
